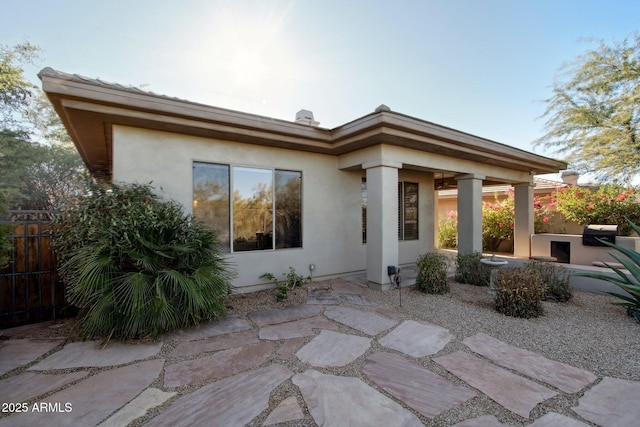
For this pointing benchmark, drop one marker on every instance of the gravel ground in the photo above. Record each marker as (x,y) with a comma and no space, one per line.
(588,332)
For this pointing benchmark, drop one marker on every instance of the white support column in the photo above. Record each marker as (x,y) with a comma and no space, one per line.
(469,213)
(382,221)
(523,222)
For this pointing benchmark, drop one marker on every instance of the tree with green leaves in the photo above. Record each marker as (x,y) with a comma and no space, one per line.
(593,117)
(41,169)
(15,89)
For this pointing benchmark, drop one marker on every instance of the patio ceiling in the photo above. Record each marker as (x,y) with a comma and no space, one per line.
(89,108)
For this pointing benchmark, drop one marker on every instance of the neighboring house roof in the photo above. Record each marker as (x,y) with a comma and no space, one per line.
(540,185)
(90,107)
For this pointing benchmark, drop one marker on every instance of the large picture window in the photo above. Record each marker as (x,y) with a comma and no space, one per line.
(265,211)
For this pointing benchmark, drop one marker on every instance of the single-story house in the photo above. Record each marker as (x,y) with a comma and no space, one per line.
(354,199)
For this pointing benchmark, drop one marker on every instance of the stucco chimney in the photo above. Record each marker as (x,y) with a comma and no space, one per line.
(570,177)
(305,117)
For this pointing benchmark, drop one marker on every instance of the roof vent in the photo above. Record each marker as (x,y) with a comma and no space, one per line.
(382,108)
(305,117)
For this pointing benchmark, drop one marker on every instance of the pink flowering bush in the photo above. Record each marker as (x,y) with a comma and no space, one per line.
(448,230)
(608,204)
(497,221)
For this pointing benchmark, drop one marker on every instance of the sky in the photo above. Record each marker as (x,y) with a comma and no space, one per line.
(483,67)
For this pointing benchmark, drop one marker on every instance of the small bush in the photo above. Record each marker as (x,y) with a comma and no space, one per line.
(136,266)
(432,273)
(556,279)
(448,231)
(519,292)
(470,270)
(6,244)
(291,281)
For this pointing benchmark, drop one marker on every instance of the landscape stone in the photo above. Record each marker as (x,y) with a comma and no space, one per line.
(612,402)
(86,354)
(295,329)
(483,421)
(92,399)
(424,391)
(357,300)
(417,339)
(333,349)
(321,296)
(363,321)
(28,385)
(287,410)
(517,394)
(342,287)
(289,347)
(219,365)
(345,401)
(557,420)
(220,342)
(233,401)
(392,314)
(285,314)
(211,328)
(138,407)
(564,377)
(15,353)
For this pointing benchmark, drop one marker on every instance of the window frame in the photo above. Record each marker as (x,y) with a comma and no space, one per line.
(231,217)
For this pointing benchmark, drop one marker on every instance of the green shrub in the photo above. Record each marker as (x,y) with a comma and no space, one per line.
(630,283)
(291,280)
(497,221)
(448,231)
(6,244)
(470,270)
(432,273)
(136,266)
(519,292)
(556,279)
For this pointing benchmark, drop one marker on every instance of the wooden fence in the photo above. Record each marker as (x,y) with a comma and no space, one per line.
(30,289)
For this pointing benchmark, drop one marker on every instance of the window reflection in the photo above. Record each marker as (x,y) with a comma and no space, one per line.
(288,209)
(211,198)
(262,199)
(252,209)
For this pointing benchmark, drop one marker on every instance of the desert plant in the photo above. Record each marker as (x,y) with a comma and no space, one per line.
(136,266)
(432,273)
(555,277)
(470,270)
(519,292)
(291,281)
(630,283)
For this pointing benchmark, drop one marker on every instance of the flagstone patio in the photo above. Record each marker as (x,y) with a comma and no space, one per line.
(341,362)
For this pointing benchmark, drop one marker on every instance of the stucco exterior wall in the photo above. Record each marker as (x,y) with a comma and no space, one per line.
(332,215)
(332,238)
